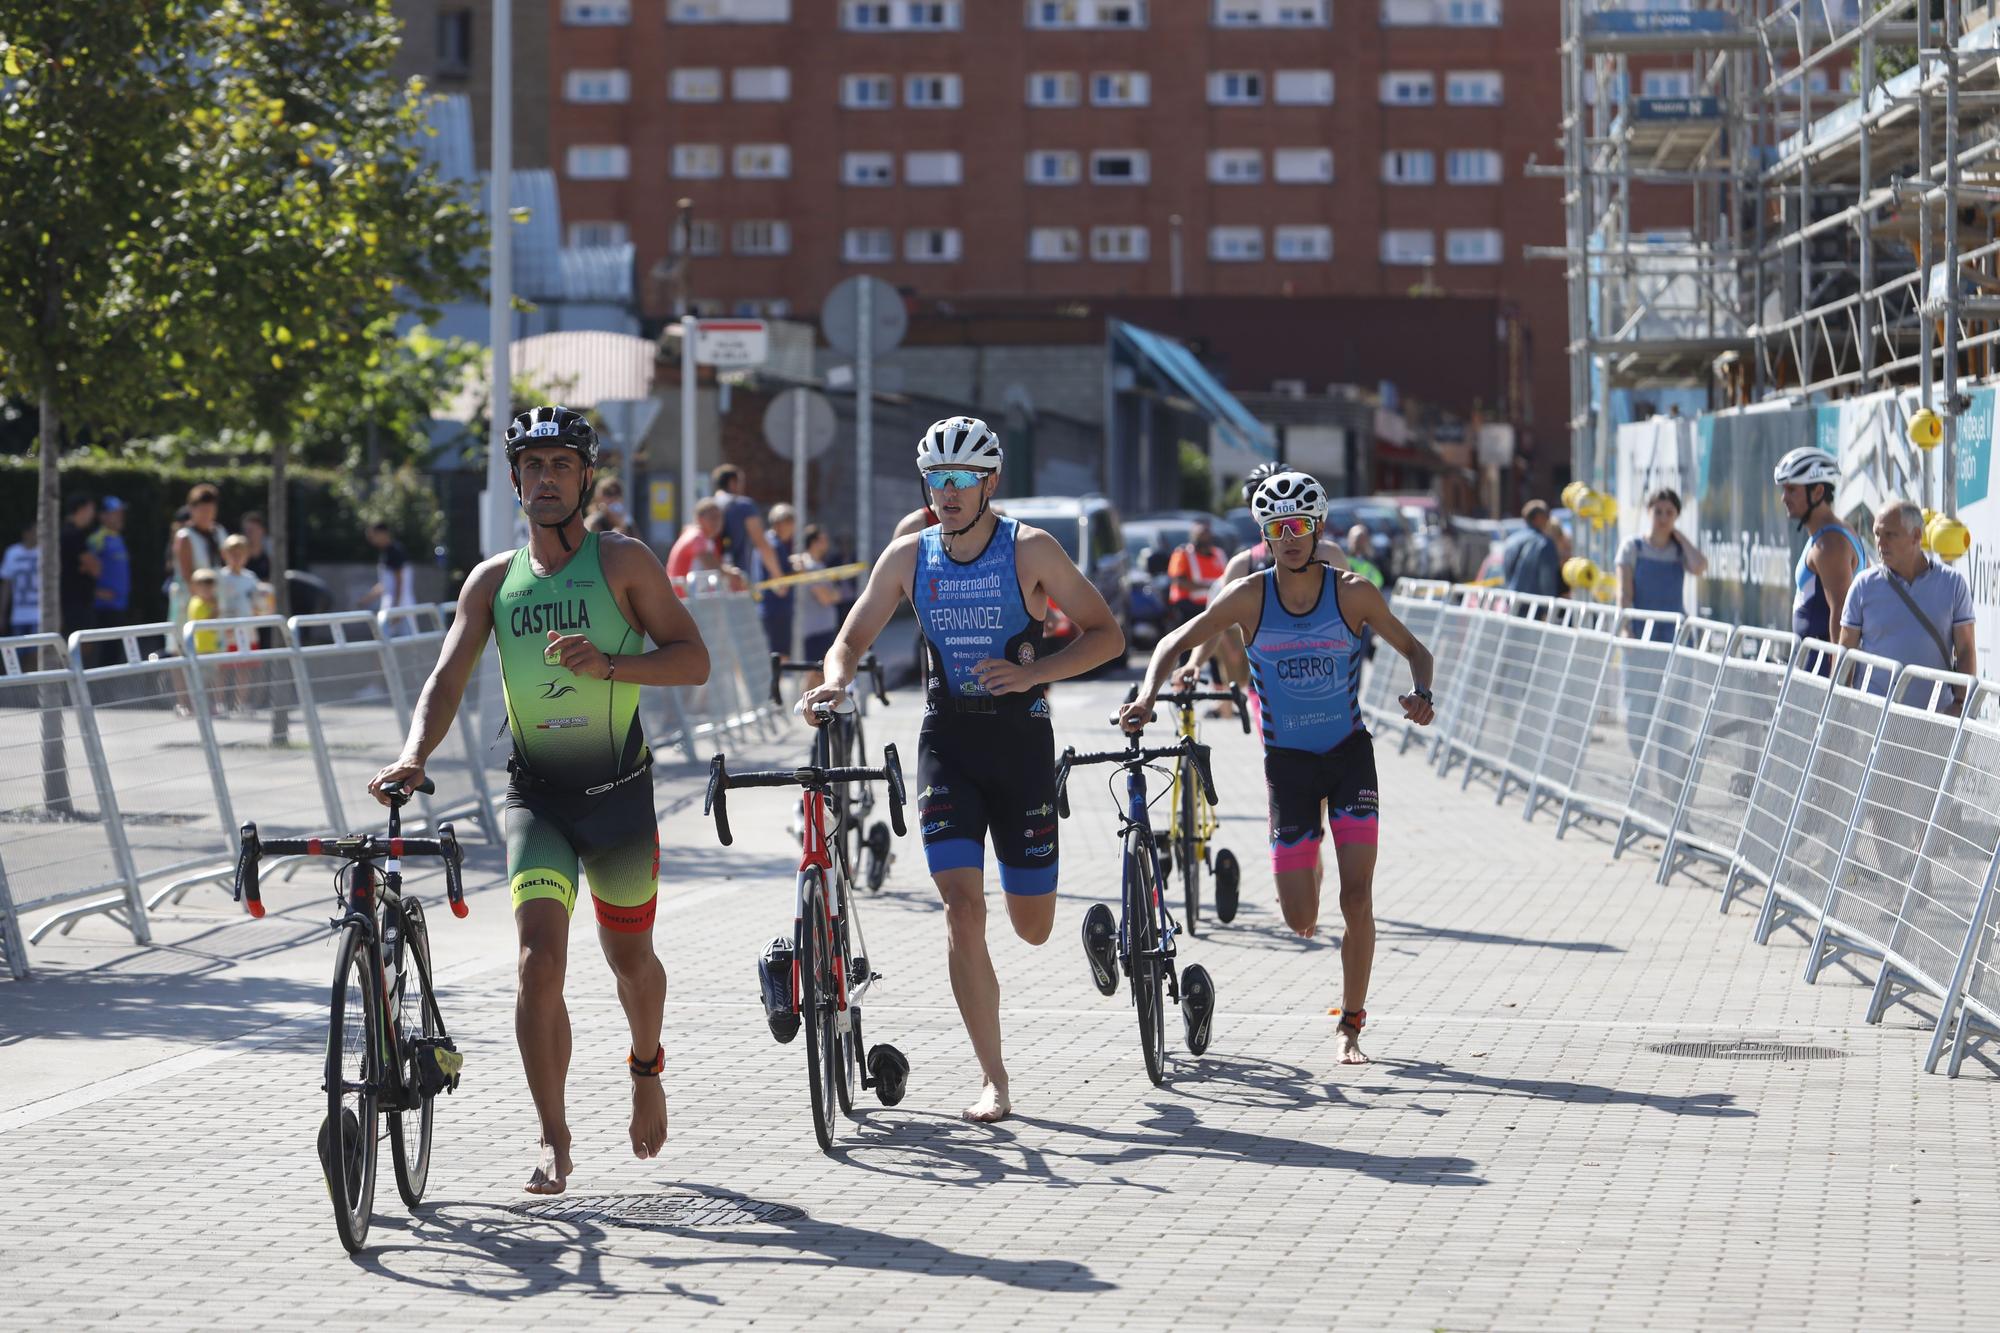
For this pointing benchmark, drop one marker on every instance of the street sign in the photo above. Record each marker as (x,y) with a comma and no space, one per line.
(796,408)
(731,342)
(839,317)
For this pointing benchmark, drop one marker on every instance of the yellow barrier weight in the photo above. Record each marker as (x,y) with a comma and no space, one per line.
(1948,537)
(1926,429)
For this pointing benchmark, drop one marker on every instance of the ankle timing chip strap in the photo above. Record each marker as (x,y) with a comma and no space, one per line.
(647,1068)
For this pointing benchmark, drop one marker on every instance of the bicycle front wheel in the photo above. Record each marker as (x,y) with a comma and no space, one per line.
(1142,943)
(353,1073)
(817,999)
(410,1131)
(1187,850)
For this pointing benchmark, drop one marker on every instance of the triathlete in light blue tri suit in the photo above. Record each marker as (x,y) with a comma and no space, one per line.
(1827,566)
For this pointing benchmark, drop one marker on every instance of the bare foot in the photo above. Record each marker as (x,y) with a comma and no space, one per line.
(552,1172)
(649,1117)
(991,1106)
(1350,1046)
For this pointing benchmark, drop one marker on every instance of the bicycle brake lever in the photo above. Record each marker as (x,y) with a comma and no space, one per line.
(1200,753)
(246,872)
(454,882)
(777,680)
(1242,707)
(1062,783)
(893,766)
(716,802)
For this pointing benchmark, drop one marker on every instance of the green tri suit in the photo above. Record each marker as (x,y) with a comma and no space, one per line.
(579,789)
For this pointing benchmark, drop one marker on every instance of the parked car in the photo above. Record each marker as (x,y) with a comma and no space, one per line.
(1088,528)
(1149,545)
(1434,545)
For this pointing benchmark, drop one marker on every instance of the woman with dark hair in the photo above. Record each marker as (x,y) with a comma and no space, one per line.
(1653,569)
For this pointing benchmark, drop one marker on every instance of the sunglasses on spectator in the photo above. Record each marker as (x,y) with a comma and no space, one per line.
(1294,525)
(953,479)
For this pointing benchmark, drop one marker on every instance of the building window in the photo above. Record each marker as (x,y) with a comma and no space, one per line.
(597,85)
(729,11)
(1055,245)
(586,234)
(1302,166)
(704,238)
(1302,244)
(867,92)
(1408,88)
(1119,166)
(597,13)
(1118,245)
(1409,166)
(868,168)
(1055,166)
(1273,14)
(1119,89)
(932,90)
(1235,245)
(902,16)
(1680,83)
(868,245)
(454,33)
(697,161)
(761,83)
(1302,87)
(762,161)
(933,168)
(1086,13)
(598,162)
(1456,13)
(1409,247)
(763,237)
(1235,166)
(1471,13)
(931,245)
(1235,87)
(695,85)
(1054,88)
(1473,87)
(1472,166)
(1474,246)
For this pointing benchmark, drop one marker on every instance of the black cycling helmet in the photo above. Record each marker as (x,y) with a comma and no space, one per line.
(553,427)
(1256,477)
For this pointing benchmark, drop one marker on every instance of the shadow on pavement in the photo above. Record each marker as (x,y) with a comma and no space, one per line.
(203,1006)
(1720,1105)
(1415,929)
(497,1254)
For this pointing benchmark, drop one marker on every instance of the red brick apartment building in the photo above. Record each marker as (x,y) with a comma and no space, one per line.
(1069,148)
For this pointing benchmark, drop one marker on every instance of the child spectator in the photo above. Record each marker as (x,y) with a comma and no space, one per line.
(204,604)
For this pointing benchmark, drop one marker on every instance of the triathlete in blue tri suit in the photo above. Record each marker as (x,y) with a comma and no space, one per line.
(1827,566)
(1303,623)
(981,585)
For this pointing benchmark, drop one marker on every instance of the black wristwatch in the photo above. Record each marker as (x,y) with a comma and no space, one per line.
(1423,692)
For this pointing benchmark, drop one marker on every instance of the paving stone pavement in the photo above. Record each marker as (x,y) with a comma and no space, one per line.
(1518,1156)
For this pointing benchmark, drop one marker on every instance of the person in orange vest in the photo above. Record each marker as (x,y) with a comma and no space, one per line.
(1192,572)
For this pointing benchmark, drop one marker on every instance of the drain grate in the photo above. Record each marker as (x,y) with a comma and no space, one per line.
(680,1210)
(1744,1050)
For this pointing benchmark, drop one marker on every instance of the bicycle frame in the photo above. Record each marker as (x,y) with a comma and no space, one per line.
(1138,817)
(1205,824)
(818,856)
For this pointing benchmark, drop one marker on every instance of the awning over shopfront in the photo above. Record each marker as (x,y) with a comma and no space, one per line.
(1173,368)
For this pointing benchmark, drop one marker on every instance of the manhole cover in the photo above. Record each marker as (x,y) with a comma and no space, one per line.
(1744,1050)
(680,1210)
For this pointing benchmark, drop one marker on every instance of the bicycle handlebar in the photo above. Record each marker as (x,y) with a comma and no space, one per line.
(1190,697)
(720,780)
(1133,756)
(356,847)
(870,667)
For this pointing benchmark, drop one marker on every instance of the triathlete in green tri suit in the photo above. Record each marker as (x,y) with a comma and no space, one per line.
(572,612)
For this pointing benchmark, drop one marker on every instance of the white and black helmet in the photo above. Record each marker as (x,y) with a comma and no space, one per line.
(1288,493)
(959,442)
(1806,466)
(1257,476)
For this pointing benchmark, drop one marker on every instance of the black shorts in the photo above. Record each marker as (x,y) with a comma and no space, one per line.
(990,774)
(1301,782)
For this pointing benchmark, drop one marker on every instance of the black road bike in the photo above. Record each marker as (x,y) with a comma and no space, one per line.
(387,1050)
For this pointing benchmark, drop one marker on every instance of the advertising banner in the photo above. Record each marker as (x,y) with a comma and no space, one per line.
(1750,543)
(1979,510)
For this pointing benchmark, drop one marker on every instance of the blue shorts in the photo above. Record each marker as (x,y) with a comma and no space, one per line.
(990,775)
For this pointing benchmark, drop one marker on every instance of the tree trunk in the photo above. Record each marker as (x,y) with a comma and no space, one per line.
(48,505)
(279,536)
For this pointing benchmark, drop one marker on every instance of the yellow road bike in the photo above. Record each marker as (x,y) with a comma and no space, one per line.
(1191,822)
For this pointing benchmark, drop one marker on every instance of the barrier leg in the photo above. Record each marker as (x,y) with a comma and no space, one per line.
(1954,996)
(12,946)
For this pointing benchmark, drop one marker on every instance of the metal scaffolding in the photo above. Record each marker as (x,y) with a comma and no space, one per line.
(1803,209)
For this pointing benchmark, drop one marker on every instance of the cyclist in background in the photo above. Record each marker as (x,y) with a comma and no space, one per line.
(572,611)
(981,585)
(1304,624)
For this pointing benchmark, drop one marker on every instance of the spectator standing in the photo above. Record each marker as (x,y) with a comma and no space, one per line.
(235,585)
(1531,562)
(114,575)
(608,512)
(20,584)
(745,544)
(698,546)
(1360,549)
(819,602)
(774,608)
(203,604)
(1911,608)
(257,532)
(1653,569)
(395,576)
(77,588)
(196,545)
(1192,572)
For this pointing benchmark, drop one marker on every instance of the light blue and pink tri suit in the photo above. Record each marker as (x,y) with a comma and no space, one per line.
(1305,670)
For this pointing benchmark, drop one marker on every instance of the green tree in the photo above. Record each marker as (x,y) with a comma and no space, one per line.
(91,120)
(316,225)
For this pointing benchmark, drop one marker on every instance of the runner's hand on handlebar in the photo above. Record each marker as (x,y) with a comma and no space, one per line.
(820,702)
(1134,716)
(1184,678)
(408,772)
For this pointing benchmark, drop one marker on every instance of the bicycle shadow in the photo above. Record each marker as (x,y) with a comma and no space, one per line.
(520,1255)
(939,1149)
(1258,1085)
(1441,1077)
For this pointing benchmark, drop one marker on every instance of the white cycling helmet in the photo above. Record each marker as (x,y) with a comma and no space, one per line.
(1286,493)
(1806,466)
(959,442)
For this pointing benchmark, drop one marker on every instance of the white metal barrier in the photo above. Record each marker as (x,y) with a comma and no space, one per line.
(1781,769)
(1680,712)
(1620,719)
(1734,734)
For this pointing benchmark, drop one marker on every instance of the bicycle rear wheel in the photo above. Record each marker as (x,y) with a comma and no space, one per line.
(847,1057)
(816,1004)
(1142,942)
(1185,852)
(353,1073)
(410,1131)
